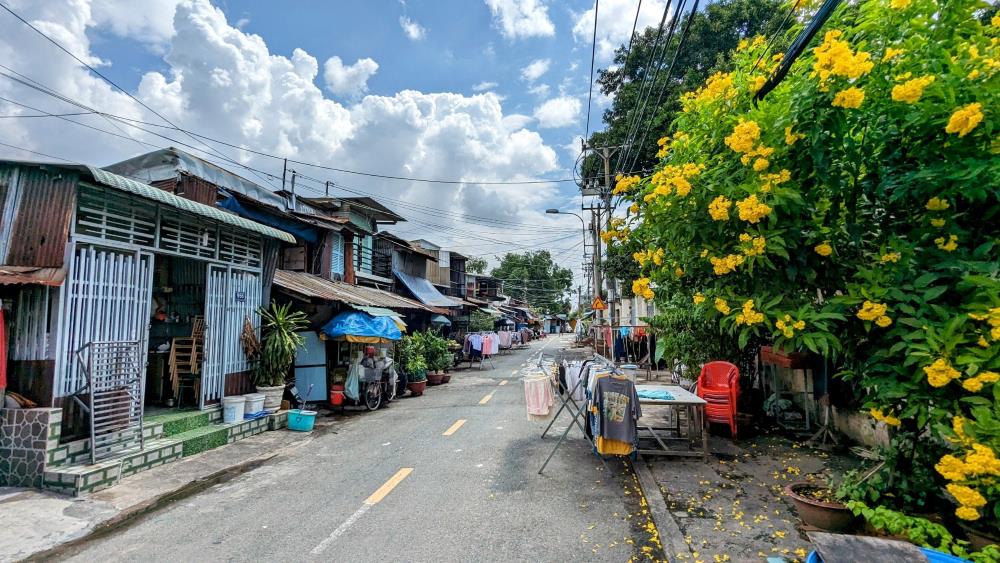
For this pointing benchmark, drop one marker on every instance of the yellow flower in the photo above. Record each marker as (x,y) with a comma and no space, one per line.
(995,20)
(891,53)
(911,90)
(982,342)
(951,468)
(726,264)
(871,311)
(704,252)
(965,119)
(937,222)
(756,247)
(983,461)
(757,82)
(641,286)
(883,321)
(936,204)
(698,298)
(751,210)
(834,57)
(791,137)
(940,373)
(824,248)
(967,513)
(760,164)
(973,75)
(948,246)
(775,179)
(721,306)
(973,384)
(625,184)
(849,99)
(890,257)
(634,208)
(678,272)
(719,208)
(899,4)
(799,325)
(749,316)
(888,419)
(966,496)
(658,256)
(744,135)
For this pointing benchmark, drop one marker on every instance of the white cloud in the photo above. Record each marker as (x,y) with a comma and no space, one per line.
(348,80)
(242,22)
(153,22)
(535,69)
(558,112)
(413,30)
(225,83)
(615,24)
(519,19)
(541,90)
(484,86)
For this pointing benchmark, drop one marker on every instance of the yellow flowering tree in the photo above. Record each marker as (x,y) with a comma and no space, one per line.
(854,213)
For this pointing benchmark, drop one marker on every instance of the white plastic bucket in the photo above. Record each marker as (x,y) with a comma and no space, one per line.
(232,409)
(254,402)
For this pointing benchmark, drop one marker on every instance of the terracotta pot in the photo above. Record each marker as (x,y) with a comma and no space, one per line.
(446,377)
(793,360)
(272,396)
(434,378)
(829,516)
(979,538)
(417,387)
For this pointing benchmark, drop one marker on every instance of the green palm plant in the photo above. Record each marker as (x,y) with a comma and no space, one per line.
(279,325)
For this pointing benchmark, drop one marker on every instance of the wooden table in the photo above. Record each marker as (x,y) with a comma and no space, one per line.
(682,399)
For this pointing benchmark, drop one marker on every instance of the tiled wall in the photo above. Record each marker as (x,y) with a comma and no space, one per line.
(25,437)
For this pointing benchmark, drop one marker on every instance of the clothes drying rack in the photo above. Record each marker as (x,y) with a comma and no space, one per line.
(573,408)
(483,357)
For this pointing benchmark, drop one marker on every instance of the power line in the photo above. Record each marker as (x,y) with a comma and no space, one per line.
(15,147)
(670,70)
(593,53)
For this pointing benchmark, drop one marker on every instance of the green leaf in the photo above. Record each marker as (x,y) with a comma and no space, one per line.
(935,292)
(925,280)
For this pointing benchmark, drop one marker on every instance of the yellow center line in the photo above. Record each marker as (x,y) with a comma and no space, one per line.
(454,427)
(389,485)
(503,382)
(487,398)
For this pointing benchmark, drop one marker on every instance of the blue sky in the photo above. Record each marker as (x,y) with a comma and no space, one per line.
(452,89)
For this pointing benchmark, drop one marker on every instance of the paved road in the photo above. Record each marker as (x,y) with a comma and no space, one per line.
(391,486)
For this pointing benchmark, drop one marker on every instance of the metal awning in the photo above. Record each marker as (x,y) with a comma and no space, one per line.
(149,192)
(31,275)
(492,312)
(309,285)
(425,291)
(440,320)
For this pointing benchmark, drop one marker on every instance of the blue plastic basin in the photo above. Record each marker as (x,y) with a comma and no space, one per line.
(301,421)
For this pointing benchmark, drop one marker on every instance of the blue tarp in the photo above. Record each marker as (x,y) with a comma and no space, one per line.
(425,291)
(287,225)
(356,323)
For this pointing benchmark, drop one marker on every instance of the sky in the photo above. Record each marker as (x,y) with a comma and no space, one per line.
(465,90)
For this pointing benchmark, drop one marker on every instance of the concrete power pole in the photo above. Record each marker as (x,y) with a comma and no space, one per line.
(601,222)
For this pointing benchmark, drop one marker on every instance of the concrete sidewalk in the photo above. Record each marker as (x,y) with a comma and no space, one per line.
(39,523)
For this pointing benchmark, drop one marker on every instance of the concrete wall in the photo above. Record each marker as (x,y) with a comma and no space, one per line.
(857,426)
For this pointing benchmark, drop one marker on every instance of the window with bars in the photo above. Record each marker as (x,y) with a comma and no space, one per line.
(240,248)
(103,214)
(188,237)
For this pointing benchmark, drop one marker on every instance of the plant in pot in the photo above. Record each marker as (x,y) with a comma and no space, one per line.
(438,356)
(818,504)
(280,341)
(416,369)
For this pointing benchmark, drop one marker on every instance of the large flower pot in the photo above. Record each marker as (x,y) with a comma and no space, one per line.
(782,359)
(417,387)
(272,396)
(434,378)
(446,377)
(822,514)
(979,538)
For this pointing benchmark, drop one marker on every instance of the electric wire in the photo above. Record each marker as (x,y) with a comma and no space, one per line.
(593,54)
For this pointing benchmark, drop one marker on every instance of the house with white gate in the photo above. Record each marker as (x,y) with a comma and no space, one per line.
(98,275)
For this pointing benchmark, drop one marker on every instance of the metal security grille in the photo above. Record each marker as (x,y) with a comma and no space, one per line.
(104,214)
(105,299)
(187,237)
(240,248)
(114,375)
(231,294)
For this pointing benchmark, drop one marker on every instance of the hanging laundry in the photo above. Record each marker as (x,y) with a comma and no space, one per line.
(618,408)
(538,397)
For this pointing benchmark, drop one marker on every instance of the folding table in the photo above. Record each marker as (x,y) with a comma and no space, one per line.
(682,399)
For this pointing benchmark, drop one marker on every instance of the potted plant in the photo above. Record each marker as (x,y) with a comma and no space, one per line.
(416,369)
(280,342)
(817,506)
(438,356)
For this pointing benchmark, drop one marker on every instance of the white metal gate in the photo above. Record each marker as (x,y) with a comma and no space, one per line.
(231,294)
(106,299)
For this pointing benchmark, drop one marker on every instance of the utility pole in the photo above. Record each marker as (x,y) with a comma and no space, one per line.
(603,207)
(293,190)
(328,188)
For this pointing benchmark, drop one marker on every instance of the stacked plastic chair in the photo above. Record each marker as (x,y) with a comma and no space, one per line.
(719,385)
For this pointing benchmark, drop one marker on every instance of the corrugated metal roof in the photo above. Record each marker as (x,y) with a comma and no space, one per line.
(149,192)
(19,275)
(315,286)
(424,290)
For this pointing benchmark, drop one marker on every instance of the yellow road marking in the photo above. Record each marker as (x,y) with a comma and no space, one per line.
(389,485)
(487,398)
(503,382)
(514,372)
(454,427)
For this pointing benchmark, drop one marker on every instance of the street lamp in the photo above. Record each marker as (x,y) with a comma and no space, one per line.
(583,223)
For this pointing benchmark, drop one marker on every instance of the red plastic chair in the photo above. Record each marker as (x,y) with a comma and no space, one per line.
(719,385)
